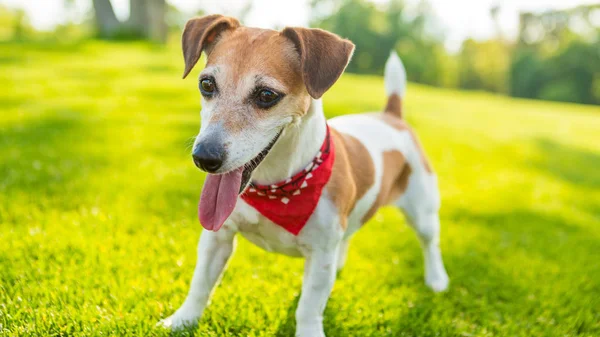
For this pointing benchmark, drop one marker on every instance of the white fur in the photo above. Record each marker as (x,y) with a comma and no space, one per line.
(322,242)
(394,76)
(307,136)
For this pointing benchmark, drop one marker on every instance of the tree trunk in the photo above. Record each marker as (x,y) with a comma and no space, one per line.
(137,21)
(157,27)
(147,19)
(106,20)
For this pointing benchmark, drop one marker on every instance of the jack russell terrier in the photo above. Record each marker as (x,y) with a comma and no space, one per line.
(284,177)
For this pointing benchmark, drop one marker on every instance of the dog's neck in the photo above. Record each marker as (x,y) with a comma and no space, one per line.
(295,149)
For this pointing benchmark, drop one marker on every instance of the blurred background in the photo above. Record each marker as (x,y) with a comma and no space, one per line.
(542,49)
(99,194)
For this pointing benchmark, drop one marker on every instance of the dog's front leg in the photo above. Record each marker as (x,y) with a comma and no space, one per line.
(214,250)
(319,276)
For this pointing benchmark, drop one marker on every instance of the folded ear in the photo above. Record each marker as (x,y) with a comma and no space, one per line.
(200,33)
(323,57)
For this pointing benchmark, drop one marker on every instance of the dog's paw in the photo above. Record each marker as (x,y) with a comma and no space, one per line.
(438,282)
(179,321)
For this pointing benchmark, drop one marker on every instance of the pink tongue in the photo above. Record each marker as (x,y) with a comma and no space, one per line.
(218,198)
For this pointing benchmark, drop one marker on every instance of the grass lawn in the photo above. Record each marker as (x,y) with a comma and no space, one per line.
(98,196)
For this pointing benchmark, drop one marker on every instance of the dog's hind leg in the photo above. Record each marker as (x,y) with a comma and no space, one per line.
(427,226)
(420,204)
(214,250)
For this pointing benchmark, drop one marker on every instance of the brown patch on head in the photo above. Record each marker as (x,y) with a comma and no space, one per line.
(246,59)
(401,125)
(353,174)
(394,181)
(260,52)
(394,105)
(320,56)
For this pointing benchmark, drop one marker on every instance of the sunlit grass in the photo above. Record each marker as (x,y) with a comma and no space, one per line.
(98,196)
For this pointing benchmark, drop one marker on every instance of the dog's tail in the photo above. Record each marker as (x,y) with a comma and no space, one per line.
(395,84)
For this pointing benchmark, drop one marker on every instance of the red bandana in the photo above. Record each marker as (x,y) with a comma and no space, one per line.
(290,203)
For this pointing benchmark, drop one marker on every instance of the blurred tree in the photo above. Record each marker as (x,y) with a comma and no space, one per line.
(557,56)
(526,74)
(484,65)
(378,29)
(6,23)
(571,74)
(147,20)
(468,78)
(176,19)
(106,21)
(22,25)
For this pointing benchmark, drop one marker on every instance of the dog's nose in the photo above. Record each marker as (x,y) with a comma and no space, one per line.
(209,156)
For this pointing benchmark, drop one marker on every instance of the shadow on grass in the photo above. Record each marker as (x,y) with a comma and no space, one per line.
(12,59)
(288,326)
(487,290)
(551,250)
(47,157)
(7,103)
(479,292)
(527,229)
(412,324)
(573,165)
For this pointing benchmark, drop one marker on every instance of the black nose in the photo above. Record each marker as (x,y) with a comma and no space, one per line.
(209,156)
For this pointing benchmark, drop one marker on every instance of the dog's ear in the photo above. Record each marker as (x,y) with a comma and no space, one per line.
(199,34)
(323,57)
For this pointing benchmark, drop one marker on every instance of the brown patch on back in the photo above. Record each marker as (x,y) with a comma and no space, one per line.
(393,182)
(401,125)
(353,173)
(394,106)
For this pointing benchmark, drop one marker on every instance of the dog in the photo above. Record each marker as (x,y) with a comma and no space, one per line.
(285,178)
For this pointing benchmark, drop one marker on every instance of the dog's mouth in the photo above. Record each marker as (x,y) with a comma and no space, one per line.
(220,191)
(250,166)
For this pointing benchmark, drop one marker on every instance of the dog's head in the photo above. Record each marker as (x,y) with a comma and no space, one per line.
(255,83)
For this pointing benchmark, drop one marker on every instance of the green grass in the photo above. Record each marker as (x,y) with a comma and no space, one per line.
(98,196)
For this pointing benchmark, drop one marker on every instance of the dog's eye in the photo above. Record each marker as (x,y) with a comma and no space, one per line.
(267,98)
(207,86)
